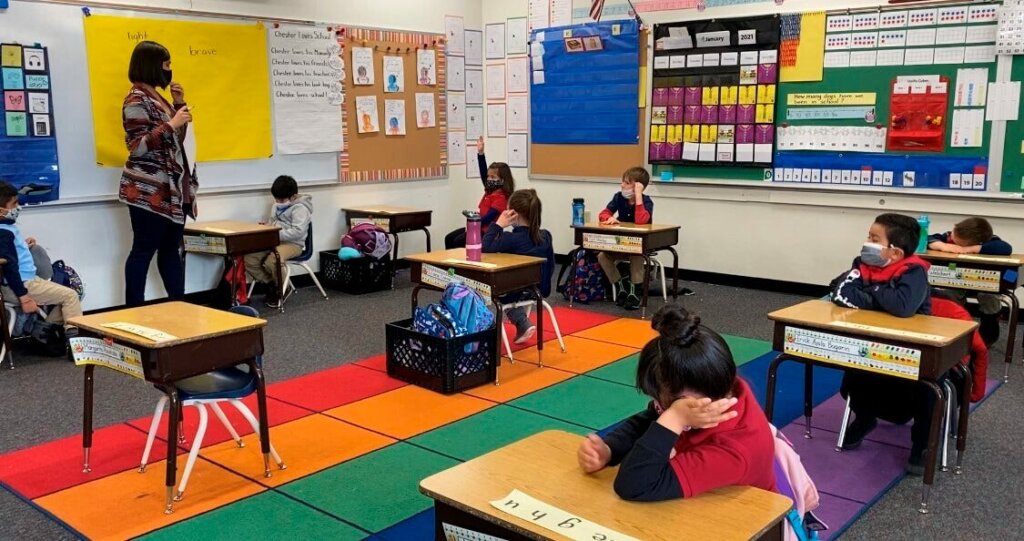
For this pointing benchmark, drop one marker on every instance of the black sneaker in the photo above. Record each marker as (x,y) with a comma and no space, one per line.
(632,301)
(915,464)
(621,288)
(273,298)
(989,329)
(857,431)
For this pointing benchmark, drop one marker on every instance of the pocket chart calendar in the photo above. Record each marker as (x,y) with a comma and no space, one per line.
(28,140)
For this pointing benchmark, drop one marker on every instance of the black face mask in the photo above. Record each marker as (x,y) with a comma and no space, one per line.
(166,78)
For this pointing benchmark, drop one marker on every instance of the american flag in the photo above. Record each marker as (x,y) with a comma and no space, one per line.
(596,7)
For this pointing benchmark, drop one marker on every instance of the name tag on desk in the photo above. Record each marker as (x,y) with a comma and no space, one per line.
(113,356)
(205,245)
(867,355)
(554,519)
(139,330)
(613,243)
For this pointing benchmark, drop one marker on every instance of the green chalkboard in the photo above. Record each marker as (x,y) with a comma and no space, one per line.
(1013,157)
(879,80)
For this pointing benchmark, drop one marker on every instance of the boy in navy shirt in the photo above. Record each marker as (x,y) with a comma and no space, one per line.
(889,277)
(974,236)
(629,205)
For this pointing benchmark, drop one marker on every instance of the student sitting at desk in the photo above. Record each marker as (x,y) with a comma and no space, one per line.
(526,238)
(629,205)
(703,429)
(20,273)
(887,277)
(498,187)
(291,211)
(974,236)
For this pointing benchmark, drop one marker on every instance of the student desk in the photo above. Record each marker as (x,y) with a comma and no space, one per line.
(493,276)
(631,239)
(204,340)
(974,273)
(921,348)
(232,239)
(544,466)
(393,220)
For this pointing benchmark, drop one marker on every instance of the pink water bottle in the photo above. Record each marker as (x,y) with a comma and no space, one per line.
(474,243)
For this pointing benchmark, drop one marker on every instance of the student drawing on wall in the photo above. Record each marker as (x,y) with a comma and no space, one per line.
(393,126)
(393,83)
(367,123)
(424,119)
(361,78)
(425,76)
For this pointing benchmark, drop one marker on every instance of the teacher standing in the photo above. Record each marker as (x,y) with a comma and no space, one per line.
(157,184)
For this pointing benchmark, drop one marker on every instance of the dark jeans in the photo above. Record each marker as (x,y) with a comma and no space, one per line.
(153,234)
(455,239)
(893,400)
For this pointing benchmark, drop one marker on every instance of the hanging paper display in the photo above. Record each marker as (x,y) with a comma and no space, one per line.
(28,140)
(917,112)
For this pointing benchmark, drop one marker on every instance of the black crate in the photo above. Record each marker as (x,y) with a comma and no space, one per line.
(355,276)
(440,364)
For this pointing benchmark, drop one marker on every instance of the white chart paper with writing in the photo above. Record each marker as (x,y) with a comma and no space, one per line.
(554,519)
(306,71)
(867,355)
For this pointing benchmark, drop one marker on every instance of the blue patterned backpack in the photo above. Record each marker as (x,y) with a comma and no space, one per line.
(585,280)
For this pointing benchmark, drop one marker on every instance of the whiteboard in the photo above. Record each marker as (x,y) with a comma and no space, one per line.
(59,27)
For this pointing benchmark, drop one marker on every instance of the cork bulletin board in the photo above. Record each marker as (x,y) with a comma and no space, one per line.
(375,157)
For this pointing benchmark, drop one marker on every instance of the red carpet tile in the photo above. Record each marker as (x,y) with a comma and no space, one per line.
(572,320)
(377,362)
(278,412)
(334,387)
(57,465)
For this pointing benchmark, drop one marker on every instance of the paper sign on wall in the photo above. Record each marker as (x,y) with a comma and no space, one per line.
(843,98)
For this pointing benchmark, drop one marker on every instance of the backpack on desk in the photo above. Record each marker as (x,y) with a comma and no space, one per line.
(585,282)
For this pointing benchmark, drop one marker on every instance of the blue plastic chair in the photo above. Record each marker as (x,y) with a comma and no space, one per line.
(300,260)
(210,389)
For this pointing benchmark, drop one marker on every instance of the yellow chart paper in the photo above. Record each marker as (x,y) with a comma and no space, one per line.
(223,68)
(810,54)
(844,98)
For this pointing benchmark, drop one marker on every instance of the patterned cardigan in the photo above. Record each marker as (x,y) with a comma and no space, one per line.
(156,176)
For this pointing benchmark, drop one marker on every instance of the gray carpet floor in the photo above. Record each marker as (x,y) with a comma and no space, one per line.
(41,401)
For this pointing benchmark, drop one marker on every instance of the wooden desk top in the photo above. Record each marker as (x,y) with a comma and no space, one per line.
(544,466)
(227,228)
(187,322)
(1014,260)
(627,228)
(385,210)
(491,262)
(919,329)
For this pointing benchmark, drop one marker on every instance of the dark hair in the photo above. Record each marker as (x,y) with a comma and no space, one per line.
(284,187)
(685,355)
(902,231)
(638,174)
(527,205)
(973,231)
(508,184)
(147,63)
(7,192)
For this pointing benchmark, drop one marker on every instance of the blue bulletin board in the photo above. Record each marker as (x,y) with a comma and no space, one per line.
(28,141)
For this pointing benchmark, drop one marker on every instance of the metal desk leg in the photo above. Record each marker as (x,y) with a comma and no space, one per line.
(6,336)
(427,233)
(675,273)
(1011,332)
(173,412)
(540,326)
(808,397)
(933,442)
(279,272)
(87,417)
(572,267)
(498,322)
(261,401)
(965,413)
(773,370)
(646,286)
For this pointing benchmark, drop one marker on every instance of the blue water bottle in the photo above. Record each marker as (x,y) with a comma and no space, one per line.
(922,243)
(578,212)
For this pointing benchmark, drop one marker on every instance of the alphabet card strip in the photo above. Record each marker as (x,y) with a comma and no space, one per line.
(551,518)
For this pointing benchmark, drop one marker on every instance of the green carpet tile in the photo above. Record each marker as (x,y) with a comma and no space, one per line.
(489,430)
(585,401)
(623,371)
(375,490)
(745,350)
(268,515)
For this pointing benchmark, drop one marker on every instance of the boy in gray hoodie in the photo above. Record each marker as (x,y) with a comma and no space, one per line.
(291,211)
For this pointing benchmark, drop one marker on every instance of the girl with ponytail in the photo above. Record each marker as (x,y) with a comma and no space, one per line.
(525,238)
(703,428)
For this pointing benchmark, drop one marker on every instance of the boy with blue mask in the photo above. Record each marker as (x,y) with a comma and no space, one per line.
(889,277)
(293,212)
(20,274)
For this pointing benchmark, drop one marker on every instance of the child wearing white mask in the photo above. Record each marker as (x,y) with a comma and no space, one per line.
(629,205)
(889,277)
(292,211)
